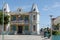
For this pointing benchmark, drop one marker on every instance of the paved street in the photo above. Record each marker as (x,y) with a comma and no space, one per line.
(23,37)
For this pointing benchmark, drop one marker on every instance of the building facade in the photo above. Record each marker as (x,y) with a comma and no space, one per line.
(56,23)
(23,22)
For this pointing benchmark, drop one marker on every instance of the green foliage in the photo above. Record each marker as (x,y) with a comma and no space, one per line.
(56,27)
(1,17)
(6,19)
(55,32)
(58,32)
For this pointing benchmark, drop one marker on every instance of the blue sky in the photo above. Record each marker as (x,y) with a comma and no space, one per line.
(46,8)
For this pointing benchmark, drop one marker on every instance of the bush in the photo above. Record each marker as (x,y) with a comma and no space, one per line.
(58,32)
(55,32)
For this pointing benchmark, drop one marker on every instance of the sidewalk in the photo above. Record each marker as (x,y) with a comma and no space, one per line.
(22,37)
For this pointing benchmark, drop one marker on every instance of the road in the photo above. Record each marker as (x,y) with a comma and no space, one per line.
(23,37)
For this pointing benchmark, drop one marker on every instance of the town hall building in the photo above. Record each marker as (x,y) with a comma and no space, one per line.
(23,22)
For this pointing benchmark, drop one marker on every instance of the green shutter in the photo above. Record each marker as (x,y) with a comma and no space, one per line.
(14,28)
(13,18)
(26,27)
(26,18)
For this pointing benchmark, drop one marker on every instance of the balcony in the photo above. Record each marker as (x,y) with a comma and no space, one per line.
(23,19)
(17,22)
(20,22)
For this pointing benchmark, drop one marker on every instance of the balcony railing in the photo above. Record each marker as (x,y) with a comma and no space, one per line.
(21,21)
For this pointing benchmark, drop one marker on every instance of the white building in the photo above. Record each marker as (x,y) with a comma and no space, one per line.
(23,22)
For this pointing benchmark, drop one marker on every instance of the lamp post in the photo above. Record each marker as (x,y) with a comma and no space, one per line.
(51,25)
(3,24)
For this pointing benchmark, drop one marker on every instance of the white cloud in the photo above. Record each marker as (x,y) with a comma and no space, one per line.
(45,8)
(55,5)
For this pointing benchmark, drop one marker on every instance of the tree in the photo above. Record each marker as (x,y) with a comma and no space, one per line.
(56,27)
(1,17)
(6,19)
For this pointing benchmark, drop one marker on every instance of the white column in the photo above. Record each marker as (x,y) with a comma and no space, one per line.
(38,23)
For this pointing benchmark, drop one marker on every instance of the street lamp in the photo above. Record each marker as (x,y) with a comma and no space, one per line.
(51,25)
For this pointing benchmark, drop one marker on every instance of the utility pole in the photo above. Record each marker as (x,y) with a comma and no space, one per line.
(51,25)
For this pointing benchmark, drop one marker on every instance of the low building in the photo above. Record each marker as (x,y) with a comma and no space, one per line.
(56,23)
